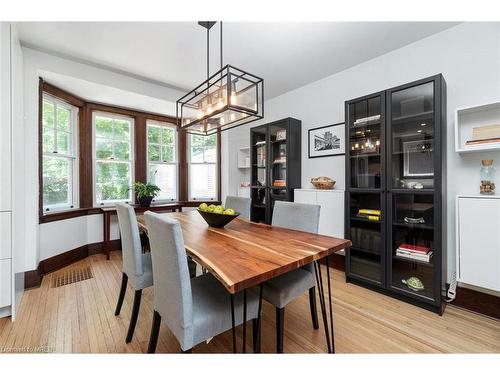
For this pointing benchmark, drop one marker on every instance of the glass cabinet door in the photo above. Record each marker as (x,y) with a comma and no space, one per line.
(412,137)
(365,137)
(366,233)
(411,227)
(278,153)
(259,156)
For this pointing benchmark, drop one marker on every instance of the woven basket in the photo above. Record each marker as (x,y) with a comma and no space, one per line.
(323,183)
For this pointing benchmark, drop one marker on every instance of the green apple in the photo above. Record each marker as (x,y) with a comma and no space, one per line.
(218,210)
(211,208)
(229,211)
(203,207)
(220,207)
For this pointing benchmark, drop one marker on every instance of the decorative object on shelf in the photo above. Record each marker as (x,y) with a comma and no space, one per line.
(414,220)
(414,283)
(418,158)
(327,141)
(230,97)
(281,135)
(217,216)
(323,183)
(487,172)
(145,193)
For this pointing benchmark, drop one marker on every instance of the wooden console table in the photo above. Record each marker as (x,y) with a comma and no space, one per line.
(109,211)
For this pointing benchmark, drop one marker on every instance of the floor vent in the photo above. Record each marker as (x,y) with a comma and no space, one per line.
(71,276)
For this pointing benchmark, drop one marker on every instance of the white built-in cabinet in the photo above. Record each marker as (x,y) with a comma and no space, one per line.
(478,241)
(6,277)
(331,218)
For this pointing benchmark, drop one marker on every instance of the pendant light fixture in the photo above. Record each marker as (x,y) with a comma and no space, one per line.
(230,97)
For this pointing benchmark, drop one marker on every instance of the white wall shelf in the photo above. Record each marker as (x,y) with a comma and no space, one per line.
(472,117)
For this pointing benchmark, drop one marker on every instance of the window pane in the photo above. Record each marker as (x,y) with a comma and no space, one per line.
(63,119)
(210,141)
(48,140)
(48,114)
(153,152)
(103,127)
(202,180)
(197,154)
(62,143)
(103,148)
(112,181)
(165,177)
(168,136)
(122,151)
(56,181)
(167,154)
(153,134)
(122,130)
(210,155)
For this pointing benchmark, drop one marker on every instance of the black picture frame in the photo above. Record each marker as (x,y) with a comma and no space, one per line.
(334,152)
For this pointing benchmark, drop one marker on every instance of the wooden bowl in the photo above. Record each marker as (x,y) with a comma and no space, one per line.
(217,220)
(323,183)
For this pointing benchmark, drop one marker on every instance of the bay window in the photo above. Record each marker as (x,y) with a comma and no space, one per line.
(162,159)
(202,159)
(59,155)
(113,158)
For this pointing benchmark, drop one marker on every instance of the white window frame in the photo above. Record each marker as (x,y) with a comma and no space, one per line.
(190,197)
(72,154)
(131,161)
(176,156)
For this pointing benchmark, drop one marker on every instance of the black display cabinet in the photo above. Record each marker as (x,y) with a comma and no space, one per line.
(275,153)
(396,191)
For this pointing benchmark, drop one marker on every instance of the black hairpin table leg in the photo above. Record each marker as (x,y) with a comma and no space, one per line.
(233,323)
(319,282)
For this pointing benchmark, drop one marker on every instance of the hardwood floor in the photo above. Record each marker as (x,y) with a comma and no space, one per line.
(79,318)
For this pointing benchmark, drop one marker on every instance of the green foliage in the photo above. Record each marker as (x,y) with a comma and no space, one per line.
(146,190)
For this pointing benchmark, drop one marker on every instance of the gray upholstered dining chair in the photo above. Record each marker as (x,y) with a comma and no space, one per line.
(136,266)
(283,289)
(195,309)
(239,204)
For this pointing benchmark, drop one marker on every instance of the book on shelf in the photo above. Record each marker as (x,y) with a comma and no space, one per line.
(369,217)
(483,141)
(415,248)
(369,211)
(415,256)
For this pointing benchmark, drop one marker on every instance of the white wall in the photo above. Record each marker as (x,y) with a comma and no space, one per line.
(467,55)
(46,240)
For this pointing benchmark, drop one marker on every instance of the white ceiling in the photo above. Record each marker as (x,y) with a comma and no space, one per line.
(286,55)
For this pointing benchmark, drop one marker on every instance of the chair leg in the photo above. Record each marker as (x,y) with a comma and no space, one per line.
(121,296)
(314,310)
(155,330)
(280,328)
(256,335)
(135,313)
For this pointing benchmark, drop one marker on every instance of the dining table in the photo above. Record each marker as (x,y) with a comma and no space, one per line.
(246,254)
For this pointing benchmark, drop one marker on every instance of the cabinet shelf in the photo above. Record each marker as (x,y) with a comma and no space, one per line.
(413,118)
(412,226)
(416,261)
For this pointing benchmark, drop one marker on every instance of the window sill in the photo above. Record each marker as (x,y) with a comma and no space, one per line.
(77,212)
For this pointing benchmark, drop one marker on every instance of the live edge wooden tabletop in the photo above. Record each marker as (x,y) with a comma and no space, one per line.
(244,254)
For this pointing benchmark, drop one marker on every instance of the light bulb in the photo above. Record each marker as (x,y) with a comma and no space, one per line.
(233,98)
(356,145)
(209,109)
(232,117)
(220,104)
(222,121)
(377,142)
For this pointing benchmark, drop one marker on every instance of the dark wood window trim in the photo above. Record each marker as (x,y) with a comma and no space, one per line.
(85,110)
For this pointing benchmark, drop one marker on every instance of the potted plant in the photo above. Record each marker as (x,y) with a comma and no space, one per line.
(145,193)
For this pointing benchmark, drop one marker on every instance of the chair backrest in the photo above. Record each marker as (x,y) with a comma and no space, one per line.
(131,240)
(298,216)
(239,204)
(172,286)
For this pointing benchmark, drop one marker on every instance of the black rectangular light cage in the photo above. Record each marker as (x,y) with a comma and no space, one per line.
(229,98)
